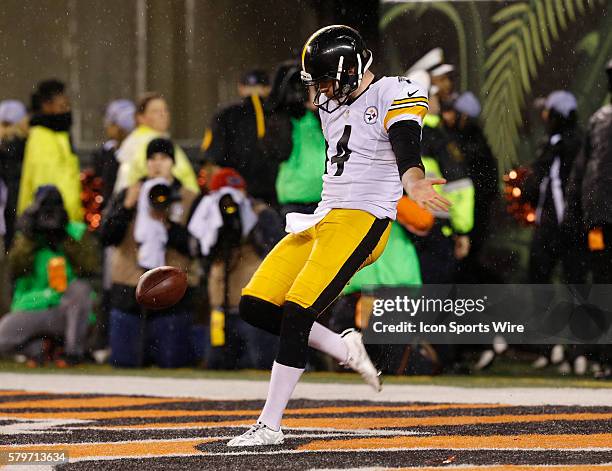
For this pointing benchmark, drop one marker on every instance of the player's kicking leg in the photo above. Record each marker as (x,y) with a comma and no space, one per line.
(358,359)
(346,348)
(346,240)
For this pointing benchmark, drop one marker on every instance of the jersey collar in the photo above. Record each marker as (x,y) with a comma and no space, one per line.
(350,101)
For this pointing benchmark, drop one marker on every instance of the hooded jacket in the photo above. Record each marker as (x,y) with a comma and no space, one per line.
(547,188)
(50,160)
(597,163)
(132,157)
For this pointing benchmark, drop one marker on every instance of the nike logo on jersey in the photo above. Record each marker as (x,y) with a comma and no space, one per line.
(411,94)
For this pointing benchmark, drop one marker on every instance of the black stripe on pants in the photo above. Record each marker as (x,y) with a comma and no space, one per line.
(350,267)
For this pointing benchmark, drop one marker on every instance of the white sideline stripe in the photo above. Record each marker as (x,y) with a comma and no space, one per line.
(113,442)
(134,457)
(332,431)
(222,389)
(34,426)
(25,467)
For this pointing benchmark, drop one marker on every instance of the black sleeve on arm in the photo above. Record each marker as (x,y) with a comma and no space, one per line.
(179,238)
(115,221)
(217,150)
(405,138)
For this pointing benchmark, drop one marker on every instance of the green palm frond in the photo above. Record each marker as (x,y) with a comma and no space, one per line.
(569,6)
(525,31)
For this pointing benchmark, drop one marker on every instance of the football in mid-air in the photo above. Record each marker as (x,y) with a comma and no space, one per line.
(161,288)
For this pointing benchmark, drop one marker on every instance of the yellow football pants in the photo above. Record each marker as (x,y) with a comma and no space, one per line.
(312,267)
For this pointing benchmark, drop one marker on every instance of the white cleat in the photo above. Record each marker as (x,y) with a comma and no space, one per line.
(540,362)
(557,354)
(485,360)
(581,365)
(358,359)
(259,434)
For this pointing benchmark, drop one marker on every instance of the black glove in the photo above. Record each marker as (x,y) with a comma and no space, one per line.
(27,224)
(53,238)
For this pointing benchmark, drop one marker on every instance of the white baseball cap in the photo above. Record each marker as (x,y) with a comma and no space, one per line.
(12,111)
(121,112)
(563,102)
(467,104)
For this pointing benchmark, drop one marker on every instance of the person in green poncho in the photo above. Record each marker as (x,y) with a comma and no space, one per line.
(49,256)
(296,141)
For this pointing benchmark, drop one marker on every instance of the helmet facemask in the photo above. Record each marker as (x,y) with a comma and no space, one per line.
(345,81)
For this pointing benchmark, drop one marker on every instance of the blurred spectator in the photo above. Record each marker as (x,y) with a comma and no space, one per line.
(13,133)
(235,134)
(153,120)
(14,124)
(460,119)
(4,291)
(448,241)
(589,203)
(119,122)
(546,190)
(441,78)
(49,157)
(234,237)
(431,70)
(147,225)
(295,139)
(49,258)
(590,189)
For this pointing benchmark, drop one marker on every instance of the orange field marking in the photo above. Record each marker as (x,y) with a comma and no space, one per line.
(518,467)
(122,449)
(362,409)
(82,402)
(159,413)
(353,423)
(19,392)
(547,442)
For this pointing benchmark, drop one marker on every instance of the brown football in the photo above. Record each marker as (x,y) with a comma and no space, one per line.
(161,288)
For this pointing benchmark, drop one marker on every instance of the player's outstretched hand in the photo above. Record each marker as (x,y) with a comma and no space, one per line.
(423,193)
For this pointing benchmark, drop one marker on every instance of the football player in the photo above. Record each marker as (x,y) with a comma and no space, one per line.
(372,127)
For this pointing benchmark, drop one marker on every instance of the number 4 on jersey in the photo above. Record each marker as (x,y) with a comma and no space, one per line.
(343,152)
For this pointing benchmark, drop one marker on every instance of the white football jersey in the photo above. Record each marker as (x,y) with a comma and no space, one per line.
(361,169)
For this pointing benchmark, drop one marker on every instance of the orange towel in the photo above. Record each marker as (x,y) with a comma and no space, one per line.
(596,239)
(411,214)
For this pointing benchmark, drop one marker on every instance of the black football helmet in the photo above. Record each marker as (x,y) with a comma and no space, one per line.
(288,91)
(336,53)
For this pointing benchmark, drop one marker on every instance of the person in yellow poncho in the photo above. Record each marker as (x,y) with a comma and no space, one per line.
(153,120)
(49,158)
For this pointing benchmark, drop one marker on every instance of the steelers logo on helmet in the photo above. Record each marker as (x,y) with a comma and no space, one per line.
(334,58)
